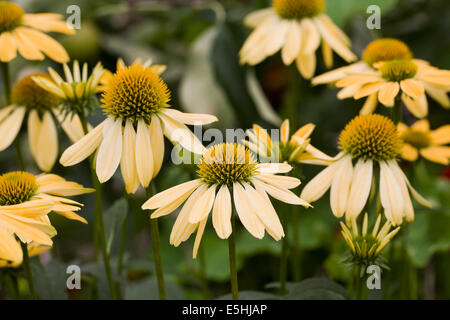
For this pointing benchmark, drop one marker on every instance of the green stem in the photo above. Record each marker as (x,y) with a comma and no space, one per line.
(154,228)
(18,147)
(396,111)
(232,257)
(6,81)
(284,255)
(99,228)
(360,285)
(27,269)
(123,240)
(202,276)
(296,253)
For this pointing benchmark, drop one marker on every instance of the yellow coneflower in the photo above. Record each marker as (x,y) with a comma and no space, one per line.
(227,172)
(297,28)
(366,247)
(388,71)
(24,32)
(40,107)
(136,103)
(368,140)
(431,144)
(77,92)
(25,202)
(108,75)
(291,149)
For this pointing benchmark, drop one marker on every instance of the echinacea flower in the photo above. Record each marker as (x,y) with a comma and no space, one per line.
(388,73)
(25,32)
(297,28)
(430,144)
(77,92)
(371,141)
(25,202)
(228,173)
(136,103)
(291,149)
(40,107)
(366,246)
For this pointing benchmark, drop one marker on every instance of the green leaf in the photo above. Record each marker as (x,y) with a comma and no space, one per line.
(148,290)
(113,219)
(317,289)
(50,279)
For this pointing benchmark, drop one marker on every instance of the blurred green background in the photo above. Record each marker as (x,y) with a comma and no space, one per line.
(199,42)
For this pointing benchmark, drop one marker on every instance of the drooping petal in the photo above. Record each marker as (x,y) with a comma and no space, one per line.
(190,118)
(144,154)
(221,216)
(390,194)
(110,152)
(10,127)
(246,214)
(360,188)
(292,45)
(165,197)
(157,140)
(203,205)
(128,161)
(340,187)
(44,146)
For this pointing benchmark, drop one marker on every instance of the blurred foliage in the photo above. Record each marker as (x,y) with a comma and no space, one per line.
(199,42)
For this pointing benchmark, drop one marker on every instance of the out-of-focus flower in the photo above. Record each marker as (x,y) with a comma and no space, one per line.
(366,247)
(297,28)
(227,170)
(136,103)
(368,140)
(429,143)
(34,249)
(40,107)
(25,202)
(24,32)
(388,72)
(291,149)
(77,92)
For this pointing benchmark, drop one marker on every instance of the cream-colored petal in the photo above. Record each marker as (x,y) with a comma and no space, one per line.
(281,194)
(72,126)
(390,194)
(339,73)
(128,160)
(437,154)
(284,131)
(84,147)
(45,148)
(333,40)
(409,152)
(292,45)
(439,95)
(317,187)
(412,88)
(29,209)
(8,45)
(418,107)
(256,17)
(203,205)
(360,188)
(421,125)
(306,64)
(110,152)
(441,135)
(144,154)
(310,37)
(369,89)
(178,132)
(165,197)
(221,216)
(189,118)
(388,92)
(408,209)
(157,140)
(327,54)
(26,48)
(285,182)
(10,127)
(276,37)
(246,214)
(370,104)
(198,236)
(9,247)
(416,194)
(340,187)
(274,168)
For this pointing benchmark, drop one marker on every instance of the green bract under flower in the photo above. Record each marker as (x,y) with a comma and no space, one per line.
(398,70)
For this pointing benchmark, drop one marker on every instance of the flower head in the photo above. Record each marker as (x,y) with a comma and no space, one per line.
(431,144)
(297,28)
(388,73)
(77,92)
(291,149)
(25,202)
(367,140)
(227,172)
(25,32)
(135,101)
(366,247)
(40,107)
